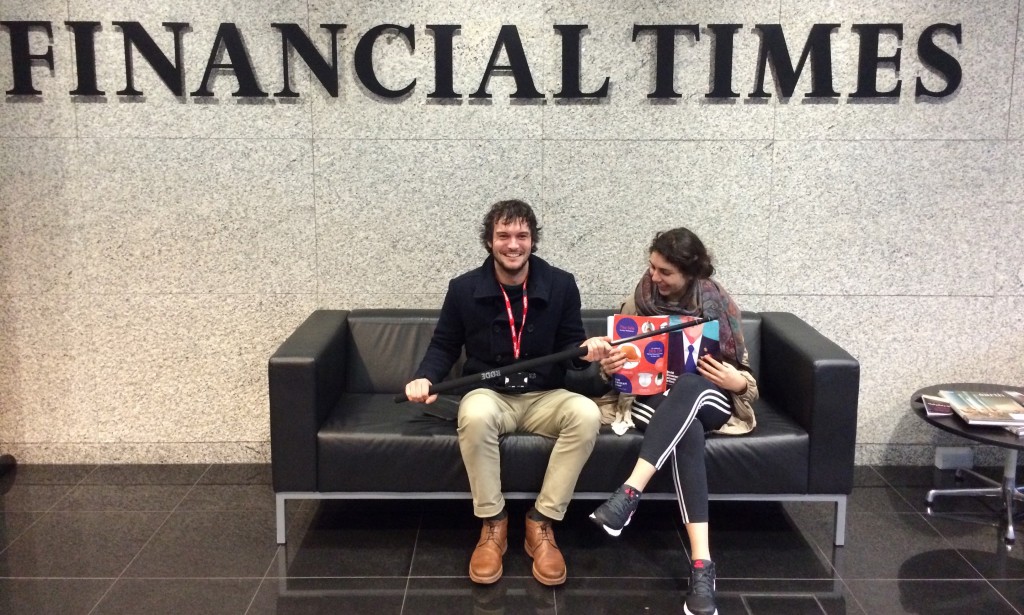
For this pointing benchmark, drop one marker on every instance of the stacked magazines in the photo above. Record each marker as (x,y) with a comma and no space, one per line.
(988,408)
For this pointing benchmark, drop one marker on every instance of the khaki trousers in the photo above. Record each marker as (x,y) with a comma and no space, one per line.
(484,415)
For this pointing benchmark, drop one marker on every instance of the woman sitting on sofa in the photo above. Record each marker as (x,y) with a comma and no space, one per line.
(711,395)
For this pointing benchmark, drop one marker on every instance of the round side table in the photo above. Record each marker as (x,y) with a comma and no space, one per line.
(995,436)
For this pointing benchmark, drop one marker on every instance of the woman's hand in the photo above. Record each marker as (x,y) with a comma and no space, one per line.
(723,375)
(613,362)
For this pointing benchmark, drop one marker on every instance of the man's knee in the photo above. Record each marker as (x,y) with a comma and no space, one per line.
(478,412)
(582,413)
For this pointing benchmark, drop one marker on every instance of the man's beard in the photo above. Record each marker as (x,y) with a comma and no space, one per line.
(509,272)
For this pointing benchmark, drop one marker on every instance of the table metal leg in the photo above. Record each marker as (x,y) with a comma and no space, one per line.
(1007,490)
(1010,493)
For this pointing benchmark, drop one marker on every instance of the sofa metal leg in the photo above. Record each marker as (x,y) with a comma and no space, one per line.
(840,521)
(281,525)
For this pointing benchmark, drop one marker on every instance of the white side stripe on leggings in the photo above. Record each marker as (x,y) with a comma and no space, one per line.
(712,398)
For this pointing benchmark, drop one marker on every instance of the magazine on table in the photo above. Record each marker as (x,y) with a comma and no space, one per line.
(995,408)
(1017,430)
(936,406)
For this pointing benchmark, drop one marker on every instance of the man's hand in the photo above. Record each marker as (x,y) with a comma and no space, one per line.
(597,348)
(723,375)
(418,391)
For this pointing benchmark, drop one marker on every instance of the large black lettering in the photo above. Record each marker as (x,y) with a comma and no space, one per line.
(665,54)
(444,72)
(940,60)
(571,47)
(83,32)
(508,39)
(326,73)
(721,69)
(869,60)
(364,59)
(775,51)
(136,36)
(22,57)
(230,38)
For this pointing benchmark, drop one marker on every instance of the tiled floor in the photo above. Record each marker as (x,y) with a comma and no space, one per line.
(200,539)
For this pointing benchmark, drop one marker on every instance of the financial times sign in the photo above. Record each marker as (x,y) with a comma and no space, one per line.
(783,56)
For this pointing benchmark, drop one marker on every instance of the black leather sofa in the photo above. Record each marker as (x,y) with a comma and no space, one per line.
(335,431)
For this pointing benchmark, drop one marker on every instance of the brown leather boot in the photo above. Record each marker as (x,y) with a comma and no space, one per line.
(485,564)
(548,564)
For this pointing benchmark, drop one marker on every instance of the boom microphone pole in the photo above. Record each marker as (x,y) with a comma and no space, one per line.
(522,366)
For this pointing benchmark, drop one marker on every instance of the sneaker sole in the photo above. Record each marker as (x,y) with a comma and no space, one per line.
(688,612)
(611,531)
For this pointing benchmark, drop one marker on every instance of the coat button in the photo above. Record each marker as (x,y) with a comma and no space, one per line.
(496,328)
(497,357)
(529,327)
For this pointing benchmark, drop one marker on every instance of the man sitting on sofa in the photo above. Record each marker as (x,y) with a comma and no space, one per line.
(515,306)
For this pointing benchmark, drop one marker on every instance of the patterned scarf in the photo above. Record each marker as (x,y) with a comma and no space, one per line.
(705,298)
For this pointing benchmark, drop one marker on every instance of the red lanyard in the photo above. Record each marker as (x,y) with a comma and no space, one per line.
(516,337)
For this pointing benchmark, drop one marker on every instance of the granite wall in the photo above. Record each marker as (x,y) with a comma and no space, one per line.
(155,249)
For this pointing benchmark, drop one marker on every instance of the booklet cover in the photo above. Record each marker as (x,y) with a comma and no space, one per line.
(646,360)
(936,406)
(706,338)
(985,408)
(654,363)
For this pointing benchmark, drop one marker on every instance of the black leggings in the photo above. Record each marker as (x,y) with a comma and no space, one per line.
(674,425)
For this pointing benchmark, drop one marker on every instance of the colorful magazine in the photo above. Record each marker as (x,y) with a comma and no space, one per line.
(653,364)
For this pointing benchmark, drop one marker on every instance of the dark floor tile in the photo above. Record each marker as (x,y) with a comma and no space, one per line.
(867,476)
(209,544)
(12,524)
(783,605)
(815,521)
(651,545)
(910,550)
(916,494)
(1012,592)
(212,497)
(509,596)
(178,596)
(983,545)
(912,476)
(148,474)
(784,596)
(79,544)
(41,474)
(352,539)
(895,546)
(237,474)
(758,540)
(24,497)
(139,498)
(926,476)
(932,597)
(587,596)
(951,504)
(64,596)
(648,547)
(878,500)
(359,596)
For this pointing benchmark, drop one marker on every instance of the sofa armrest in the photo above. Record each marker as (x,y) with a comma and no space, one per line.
(808,376)
(307,377)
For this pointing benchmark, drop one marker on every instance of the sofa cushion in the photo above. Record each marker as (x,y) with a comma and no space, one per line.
(371,444)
